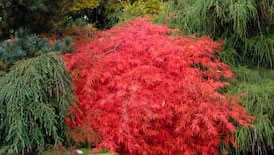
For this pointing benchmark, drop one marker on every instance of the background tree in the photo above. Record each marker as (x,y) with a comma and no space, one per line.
(247,26)
(36,15)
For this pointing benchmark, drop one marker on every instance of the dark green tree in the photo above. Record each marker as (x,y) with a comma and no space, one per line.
(35,15)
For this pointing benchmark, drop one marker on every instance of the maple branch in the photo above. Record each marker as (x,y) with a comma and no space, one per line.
(111,50)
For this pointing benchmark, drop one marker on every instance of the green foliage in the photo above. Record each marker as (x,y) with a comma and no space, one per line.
(140,8)
(243,22)
(106,13)
(78,5)
(35,93)
(34,100)
(220,18)
(164,14)
(96,15)
(230,56)
(26,46)
(35,15)
(260,49)
(69,21)
(258,89)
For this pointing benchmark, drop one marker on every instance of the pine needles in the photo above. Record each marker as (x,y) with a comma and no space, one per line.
(34,100)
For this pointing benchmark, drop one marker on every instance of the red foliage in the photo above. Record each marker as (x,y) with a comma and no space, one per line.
(145,92)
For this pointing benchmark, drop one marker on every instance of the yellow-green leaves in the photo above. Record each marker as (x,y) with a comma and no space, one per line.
(78,5)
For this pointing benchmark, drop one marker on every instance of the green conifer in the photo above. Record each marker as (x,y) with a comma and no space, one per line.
(34,101)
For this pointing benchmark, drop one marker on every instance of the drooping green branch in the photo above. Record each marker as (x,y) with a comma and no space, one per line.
(34,100)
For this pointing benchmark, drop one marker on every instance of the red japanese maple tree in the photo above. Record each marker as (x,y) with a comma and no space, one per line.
(142,90)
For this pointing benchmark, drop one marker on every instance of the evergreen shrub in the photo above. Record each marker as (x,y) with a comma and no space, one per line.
(247,26)
(35,93)
(257,87)
(34,100)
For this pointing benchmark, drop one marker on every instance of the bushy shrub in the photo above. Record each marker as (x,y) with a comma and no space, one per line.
(246,25)
(34,100)
(140,8)
(78,5)
(142,91)
(258,89)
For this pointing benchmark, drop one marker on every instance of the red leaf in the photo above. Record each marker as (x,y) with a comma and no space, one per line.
(137,87)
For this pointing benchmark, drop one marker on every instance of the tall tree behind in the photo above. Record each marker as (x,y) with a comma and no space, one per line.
(35,15)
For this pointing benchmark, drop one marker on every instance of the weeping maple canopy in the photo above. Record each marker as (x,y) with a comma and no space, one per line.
(142,90)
